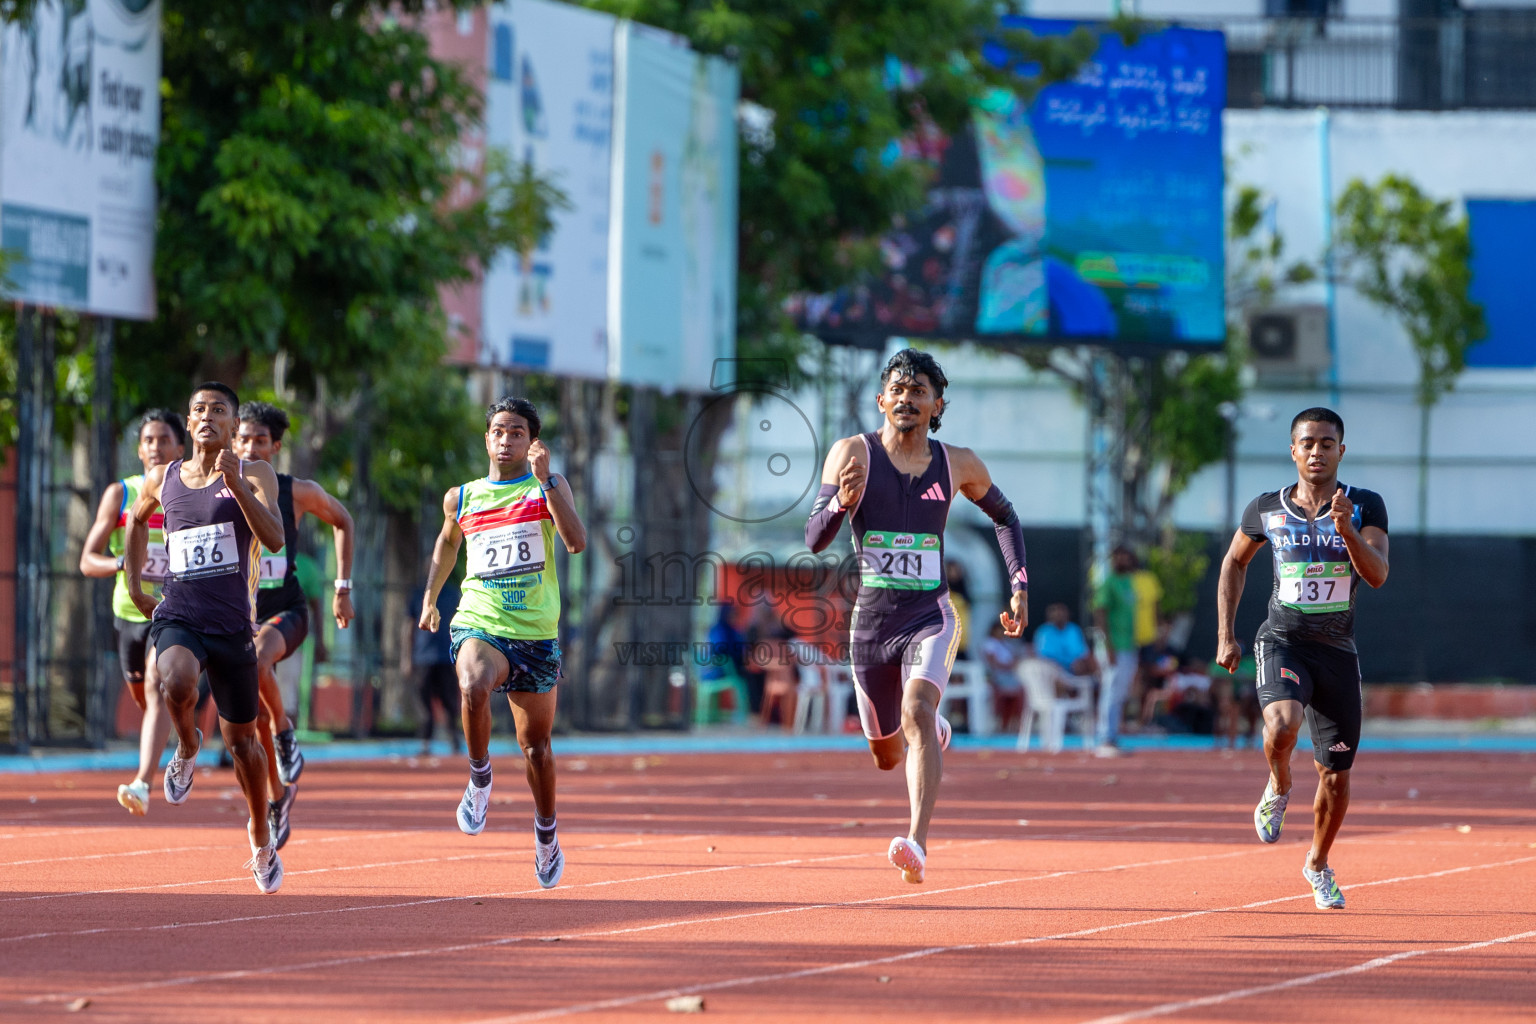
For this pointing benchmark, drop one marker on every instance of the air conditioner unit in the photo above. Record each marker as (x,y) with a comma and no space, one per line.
(1289,342)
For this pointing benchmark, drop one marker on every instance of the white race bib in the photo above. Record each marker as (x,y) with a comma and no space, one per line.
(200,551)
(901,561)
(1316,587)
(274,567)
(513,550)
(157,563)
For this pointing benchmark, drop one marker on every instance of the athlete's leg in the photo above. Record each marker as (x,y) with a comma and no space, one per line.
(264,730)
(178,669)
(250,758)
(156,728)
(1282,724)
(271,648)
(534,716)
(925,760)
(1328,810)
(480,668)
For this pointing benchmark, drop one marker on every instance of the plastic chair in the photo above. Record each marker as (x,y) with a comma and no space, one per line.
(839,683)
(811,705)
(708,708)
(968,682)
(1039,678)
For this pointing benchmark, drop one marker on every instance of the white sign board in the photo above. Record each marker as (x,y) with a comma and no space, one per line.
(549,99)
(79,122)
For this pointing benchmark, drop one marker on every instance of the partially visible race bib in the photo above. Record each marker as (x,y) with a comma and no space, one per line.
(516,549)
(901,561)
(1316,587)
(200,551)
(157,563)
(274,567)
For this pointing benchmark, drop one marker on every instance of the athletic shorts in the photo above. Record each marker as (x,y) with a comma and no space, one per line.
(533,665)
(292,624)
(1326,681)
(132,642)
(228,658)
(887,650)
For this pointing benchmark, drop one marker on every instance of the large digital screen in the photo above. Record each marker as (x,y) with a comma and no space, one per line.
(1093,214)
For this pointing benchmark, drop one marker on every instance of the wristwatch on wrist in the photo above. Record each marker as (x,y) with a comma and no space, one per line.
(343,584)
(119,563)
(550,484)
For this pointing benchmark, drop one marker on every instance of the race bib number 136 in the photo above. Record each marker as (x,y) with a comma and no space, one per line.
(200,551)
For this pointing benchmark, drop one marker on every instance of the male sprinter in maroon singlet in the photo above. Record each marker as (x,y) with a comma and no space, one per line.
(217,508)
(896,486)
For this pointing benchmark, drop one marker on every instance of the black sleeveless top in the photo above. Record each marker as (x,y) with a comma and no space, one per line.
(898,530)
(276,597)
(213,557)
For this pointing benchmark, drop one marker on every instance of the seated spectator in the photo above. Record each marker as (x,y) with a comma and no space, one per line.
(1061,640)
(726,646)
(1002,655)
(1190,697)
(1158,661)
(1237,699)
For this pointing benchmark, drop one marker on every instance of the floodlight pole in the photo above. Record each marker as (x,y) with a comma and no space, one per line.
(100,686)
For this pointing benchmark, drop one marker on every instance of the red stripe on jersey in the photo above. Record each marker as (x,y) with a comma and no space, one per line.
(156,521)
(523,512)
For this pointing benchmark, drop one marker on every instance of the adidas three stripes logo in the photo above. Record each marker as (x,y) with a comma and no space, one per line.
(934,493)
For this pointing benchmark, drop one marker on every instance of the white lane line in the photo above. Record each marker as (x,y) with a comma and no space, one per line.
(917,954)
(1310,979)
(634,929)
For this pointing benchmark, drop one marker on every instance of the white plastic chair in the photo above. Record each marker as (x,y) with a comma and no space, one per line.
(1039,678)
(968,682)
(839,683)
(812,703)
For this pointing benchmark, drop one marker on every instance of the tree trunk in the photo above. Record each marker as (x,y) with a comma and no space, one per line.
(1423,519)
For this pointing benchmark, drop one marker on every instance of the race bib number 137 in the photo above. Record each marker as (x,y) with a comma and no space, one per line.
(1316,587)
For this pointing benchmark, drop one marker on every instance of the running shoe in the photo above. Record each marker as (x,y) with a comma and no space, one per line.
(265,865)
(1325,891)
(277,815)
(946,731)
(472,808)
(908,856)
(135,797)
(179,774)
(1269,816)
(548,862)
(290,759)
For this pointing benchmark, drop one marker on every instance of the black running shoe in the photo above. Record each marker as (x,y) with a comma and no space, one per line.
(278,815)
(290,760)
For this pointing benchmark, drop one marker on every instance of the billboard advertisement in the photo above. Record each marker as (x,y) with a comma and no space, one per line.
(673,293)
(549,99)
(1093,214)
(79,123)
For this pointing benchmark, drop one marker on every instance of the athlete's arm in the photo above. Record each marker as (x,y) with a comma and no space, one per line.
(1229,590)
(973,481)
(136,540)
(312,499)
(445,555)
(557,497)
(255,491)
(842,485)
(94,560)
(1367,546)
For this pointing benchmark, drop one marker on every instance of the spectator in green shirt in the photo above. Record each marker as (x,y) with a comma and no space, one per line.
(1114,612)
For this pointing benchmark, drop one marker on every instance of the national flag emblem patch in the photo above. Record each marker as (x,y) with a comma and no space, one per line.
(1276,520)
(1286,673)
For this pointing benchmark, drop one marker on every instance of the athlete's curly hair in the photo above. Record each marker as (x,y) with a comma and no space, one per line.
(268,415)
(170,418)
(518,407)
(907,364)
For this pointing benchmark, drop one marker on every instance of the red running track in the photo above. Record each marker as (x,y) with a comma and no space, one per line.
(1059,889)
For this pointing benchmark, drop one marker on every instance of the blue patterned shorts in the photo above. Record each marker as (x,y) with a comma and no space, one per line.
(534,664)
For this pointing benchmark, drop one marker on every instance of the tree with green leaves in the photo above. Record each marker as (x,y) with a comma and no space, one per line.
(1410,254)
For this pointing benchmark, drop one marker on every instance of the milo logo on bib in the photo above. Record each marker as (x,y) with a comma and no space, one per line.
(904,561)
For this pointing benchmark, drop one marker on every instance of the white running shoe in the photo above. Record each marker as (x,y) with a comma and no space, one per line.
(265,865)
(908,856)
(1269,816)
(179,774)
(472,808)
(548,862)
(946,732)
(135,797)
(1325,891)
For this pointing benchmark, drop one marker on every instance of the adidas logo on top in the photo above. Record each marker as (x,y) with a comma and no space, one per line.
(934,493)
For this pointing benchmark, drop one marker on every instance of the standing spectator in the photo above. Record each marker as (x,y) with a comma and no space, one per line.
(1149,591)
(1002,655)
(1061,640)
(1114,606)
(430,666)
(960,597)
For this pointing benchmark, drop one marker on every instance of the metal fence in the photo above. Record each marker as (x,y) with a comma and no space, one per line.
(1476,59)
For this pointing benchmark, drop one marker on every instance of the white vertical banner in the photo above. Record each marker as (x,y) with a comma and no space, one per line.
(673,292)
(79,123)
(549,100)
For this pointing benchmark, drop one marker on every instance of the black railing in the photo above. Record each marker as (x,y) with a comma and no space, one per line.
(1475,59)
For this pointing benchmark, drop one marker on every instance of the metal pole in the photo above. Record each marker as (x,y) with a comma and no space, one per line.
(40,542)
(26,508)
(98,720)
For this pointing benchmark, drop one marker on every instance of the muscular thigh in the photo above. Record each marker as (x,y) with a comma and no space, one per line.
(479,664)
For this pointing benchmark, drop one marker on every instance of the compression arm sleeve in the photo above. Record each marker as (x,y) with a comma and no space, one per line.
(1010,536)
(826,519)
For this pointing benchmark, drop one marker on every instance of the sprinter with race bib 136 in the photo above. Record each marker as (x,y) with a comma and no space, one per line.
(1325,538)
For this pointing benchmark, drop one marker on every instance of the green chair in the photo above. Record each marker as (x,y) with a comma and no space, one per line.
(709,708)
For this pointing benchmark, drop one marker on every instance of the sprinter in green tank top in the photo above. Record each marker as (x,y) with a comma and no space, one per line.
(505,632)
(162,440)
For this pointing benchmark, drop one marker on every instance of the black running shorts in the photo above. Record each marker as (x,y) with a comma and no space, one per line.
(293,625)
(228,658)
(1326,681)
(132,641)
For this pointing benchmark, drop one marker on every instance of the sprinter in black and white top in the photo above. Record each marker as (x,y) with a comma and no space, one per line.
(1325,537)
